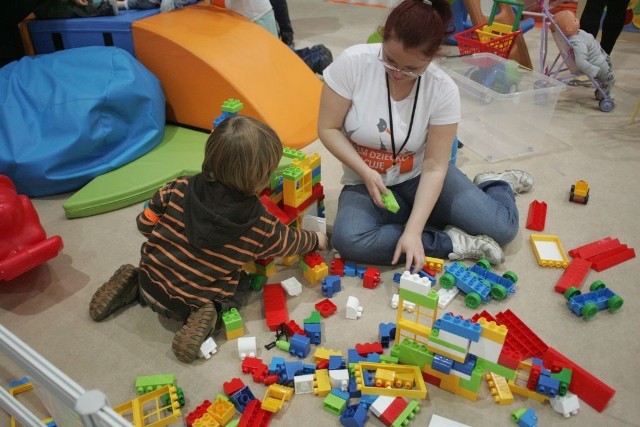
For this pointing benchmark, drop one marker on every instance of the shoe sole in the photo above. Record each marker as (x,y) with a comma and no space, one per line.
(114,292)
(187,341)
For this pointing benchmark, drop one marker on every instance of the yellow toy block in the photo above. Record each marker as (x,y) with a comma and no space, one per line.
(499,388)
(206,420)
(221,410)
(384,377)
(290,260)
(323,354)
(419,392)
(549,251)
(235,333)
(321,383)
(149,407)
(404,380)
(317,273)
(436,264)
(275,397)
(492,331)
(296,186)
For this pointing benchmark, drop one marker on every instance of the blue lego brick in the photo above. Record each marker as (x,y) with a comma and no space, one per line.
(331,285)
(314,332)
(528,419)
(442,364)
(21,381)
(336,362)
(368,399)
(276,364)
(299,346)
(241,398)
(354,416)
(350,269)
(291,369)
(367,378)
(308,369)
(548,386)
(353,388)
(468,282)
(599,298)
(466,367)
(462,327)
(386,333)
(423,274)
(396,277)
(341,394)
(360,269)
(494,278)
(354,357)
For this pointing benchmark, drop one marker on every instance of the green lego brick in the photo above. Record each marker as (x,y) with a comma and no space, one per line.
(334,404)
(472,384)
(390,202)
(395,351)
(257,281)
(487,365)
(434,338)
(313,318)
(413,353)
(292,153)
(389,359)
(407,415)
(148,383)
(232,320)
(564,376)
(232,106)
(430,300)
(293,173)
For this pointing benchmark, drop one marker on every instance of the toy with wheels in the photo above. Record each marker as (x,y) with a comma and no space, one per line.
(23,242)
(579,192)
(600,298)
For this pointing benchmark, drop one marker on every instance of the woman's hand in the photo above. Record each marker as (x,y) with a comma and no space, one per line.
(411,245)
(375,186)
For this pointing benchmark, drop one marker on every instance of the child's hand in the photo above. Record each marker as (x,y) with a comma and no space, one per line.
(323,241)
(81,2)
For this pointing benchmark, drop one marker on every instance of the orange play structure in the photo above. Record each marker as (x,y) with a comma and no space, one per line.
(204,55)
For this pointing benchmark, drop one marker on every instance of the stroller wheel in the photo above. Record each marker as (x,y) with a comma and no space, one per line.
(606,105)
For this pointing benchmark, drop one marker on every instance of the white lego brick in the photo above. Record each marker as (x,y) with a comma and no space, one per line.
(208,348)
(415,283)
(446,351)
(354,309)
(486,349)
(292,286)
(381,404)
(438,421)
(454,339)
(247,347)
(566,405)
(339,379)
(303,384)
(445,296)
(314,223)
(406,305)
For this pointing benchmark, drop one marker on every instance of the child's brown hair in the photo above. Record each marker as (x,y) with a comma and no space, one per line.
(242,153)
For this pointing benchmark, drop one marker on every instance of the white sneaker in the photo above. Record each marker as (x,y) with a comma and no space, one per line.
(466,246)
(519,181)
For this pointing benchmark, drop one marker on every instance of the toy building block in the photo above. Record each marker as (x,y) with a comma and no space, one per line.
(390,202)
(317,273)
(548,250)
(314,332)
(247,347)
(321,382)
(339,379)
(604,253)
(335,403)
(221,410)
(364,349)
(386,334)
(331,285)
(438,421)
(525,417)
(254,415)
(326,307)
(337,267)
(303,383)
(275,306)
(291,328)
(579,192)
(300,346)
(371,278)
(595,248)
(573,275)
(275,397)
(233,325)
(354,416)
(148,383)
(587,305)
(537,216)
(292,286)
(406,305)
(150,407)
(567,405)
(445,296)
(521,336)
(353,308)
(435,264)
(418,392)
(23,241)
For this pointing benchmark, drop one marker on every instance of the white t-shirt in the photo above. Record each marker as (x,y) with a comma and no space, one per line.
(358,75)
(252,9)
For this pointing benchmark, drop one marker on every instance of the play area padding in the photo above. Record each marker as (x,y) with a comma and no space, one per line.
(204,55)
(181,152)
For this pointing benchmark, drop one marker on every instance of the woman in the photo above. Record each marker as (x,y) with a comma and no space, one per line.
(390,115)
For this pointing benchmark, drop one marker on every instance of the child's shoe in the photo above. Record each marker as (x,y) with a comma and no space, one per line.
(519,181)
(198,327)
(120,291)
(466,246)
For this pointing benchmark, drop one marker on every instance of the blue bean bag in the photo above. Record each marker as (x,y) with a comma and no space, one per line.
(72,115)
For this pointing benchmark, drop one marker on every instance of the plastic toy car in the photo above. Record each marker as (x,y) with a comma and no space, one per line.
(579,192)
(587,305)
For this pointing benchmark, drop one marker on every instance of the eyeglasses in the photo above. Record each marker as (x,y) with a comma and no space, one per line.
(400,70)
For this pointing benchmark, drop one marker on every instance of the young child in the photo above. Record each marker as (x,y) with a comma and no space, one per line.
(201,230)
(590,58)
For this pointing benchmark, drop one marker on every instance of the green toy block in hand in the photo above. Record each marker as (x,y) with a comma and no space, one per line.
(390,202)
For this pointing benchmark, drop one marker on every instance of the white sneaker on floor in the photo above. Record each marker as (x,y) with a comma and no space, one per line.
(466,246)
(519,181)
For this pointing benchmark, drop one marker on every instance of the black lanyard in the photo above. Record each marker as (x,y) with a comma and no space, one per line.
(413,112)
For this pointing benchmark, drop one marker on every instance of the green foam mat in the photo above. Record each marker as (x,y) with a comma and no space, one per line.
(181,152)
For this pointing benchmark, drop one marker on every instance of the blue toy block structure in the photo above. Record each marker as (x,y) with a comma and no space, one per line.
(467,367)
(459,326)
(331,285)
(51,35)
(587,305)
(354,416)
(299,346)
(336,362)
(241,398)
(314,332)
(386,333)
(442,364)
(507,281)
(525,417)
(478,283)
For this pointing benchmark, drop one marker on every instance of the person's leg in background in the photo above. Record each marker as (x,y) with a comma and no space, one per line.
(281,11)
(612,24)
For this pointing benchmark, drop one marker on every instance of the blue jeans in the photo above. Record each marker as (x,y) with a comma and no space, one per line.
(365,233)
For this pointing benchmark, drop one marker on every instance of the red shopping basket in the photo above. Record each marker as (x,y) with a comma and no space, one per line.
(469,42)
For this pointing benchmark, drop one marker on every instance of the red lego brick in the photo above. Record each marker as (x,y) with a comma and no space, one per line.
(430,271)
(587,387)
(250,364)
(523,338)
(293,328)
(275,305)
(371,278)
(312,259)
(317,194)
(275,210)
(612,257)
(270,379)
(260,374)
(594,248)
(509,356)
(573,275)
(534,376)
(323,364)
(254,415)
(326,307)
(393,411)
(337,267)
(230,387)
(365,349)
(197,413)
(430,379)
(537,216)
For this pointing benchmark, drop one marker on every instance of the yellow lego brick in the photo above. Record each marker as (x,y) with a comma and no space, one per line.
(206,420)
(235,333)
(314,161)
(290,260)
(149,406)
(492,331)
(321,383)
(524,391)
(249,267)
(419,392)
(317,273)
(404,380)
(275,397)
(434,263)
(221,410)
(499,388)
(384,377)
(322,354)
